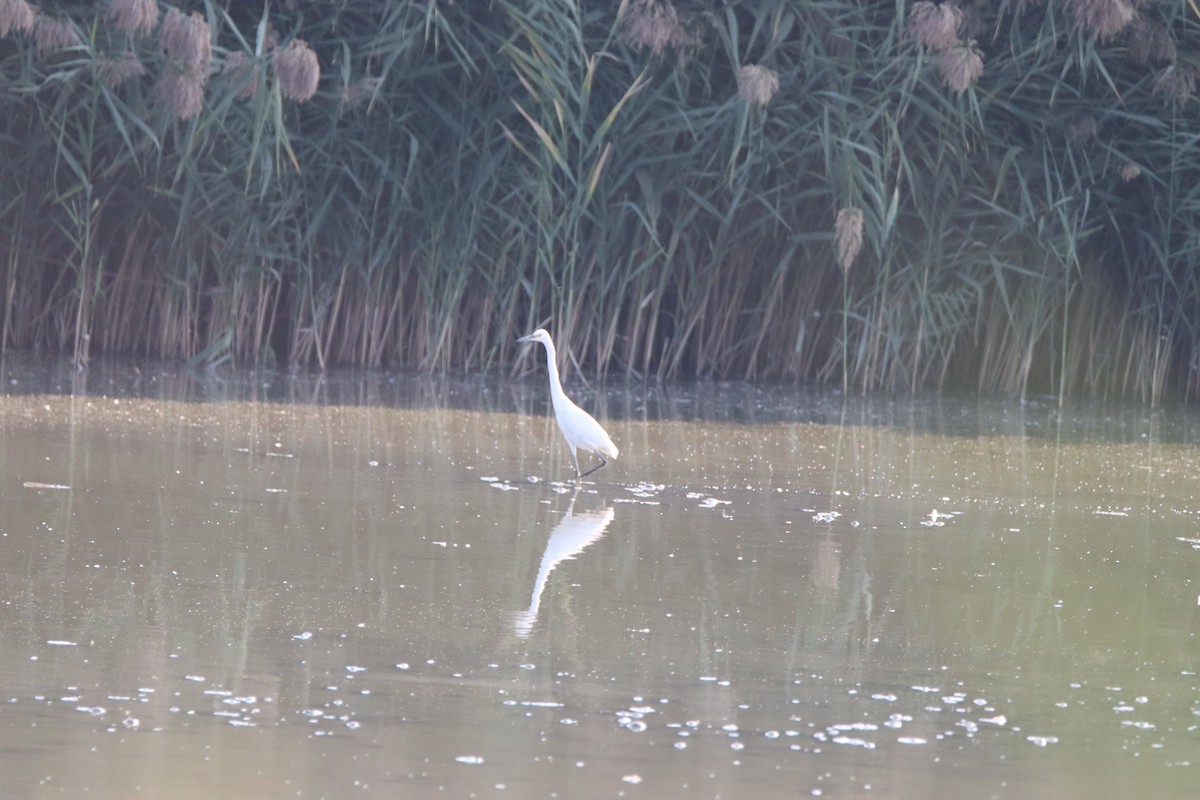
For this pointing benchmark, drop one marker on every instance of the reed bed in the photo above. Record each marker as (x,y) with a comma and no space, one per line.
(878,195)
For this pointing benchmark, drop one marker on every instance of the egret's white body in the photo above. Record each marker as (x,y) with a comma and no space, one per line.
(578,427)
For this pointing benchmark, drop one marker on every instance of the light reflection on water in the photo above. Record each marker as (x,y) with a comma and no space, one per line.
(255,599)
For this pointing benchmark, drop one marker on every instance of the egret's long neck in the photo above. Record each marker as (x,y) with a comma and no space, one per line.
(556,390)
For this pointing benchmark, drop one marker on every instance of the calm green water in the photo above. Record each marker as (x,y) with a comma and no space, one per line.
(394,595)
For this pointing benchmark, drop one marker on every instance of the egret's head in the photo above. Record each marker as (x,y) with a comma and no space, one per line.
(540,335)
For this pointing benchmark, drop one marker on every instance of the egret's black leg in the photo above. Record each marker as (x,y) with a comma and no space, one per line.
(602,463)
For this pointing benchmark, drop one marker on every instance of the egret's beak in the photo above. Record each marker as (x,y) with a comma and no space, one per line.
(528,338)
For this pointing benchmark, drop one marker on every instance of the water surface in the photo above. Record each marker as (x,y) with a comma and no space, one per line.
(395,592)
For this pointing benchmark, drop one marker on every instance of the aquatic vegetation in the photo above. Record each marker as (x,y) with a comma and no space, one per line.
(1000,196)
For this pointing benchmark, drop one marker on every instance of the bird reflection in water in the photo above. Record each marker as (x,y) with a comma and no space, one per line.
(574,532)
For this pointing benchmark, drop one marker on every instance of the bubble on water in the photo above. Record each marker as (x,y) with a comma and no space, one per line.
(1042,741)
(131,723)
(854,742)
(195,678)
(999,720)
(680,745)
(632,778)
(912,740)
(772,734)
(472,760)
(62,643)
(352,668)
(402,665)
(887,698)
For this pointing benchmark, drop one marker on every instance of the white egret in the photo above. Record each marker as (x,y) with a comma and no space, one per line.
(578,427)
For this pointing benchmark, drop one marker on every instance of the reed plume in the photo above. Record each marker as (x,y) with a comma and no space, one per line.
(848,235)
(187,42)
(243,72)
(655,24)
(134,16)
(361,91)
(180,92)
(1130,172)
(1177,82)
(297,69)
(934,25)
(757,84)
(1150,42)
(1104,19)
(961,66)
(1082,128)
(15,15)
(53,34)
(112,71)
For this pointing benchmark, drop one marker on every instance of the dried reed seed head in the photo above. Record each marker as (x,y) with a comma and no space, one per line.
(53,34)
(1102,18)
(757,84)
(1082,128)
(241,71)
(1150,42)
(297,70)
(181,92)
(187,41)
(113,71)
(1177,82)
(361,91)
(961,66)
(1130,172)
(655,24)
(15,15)
(134,16)
(935,25)
(848,235)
